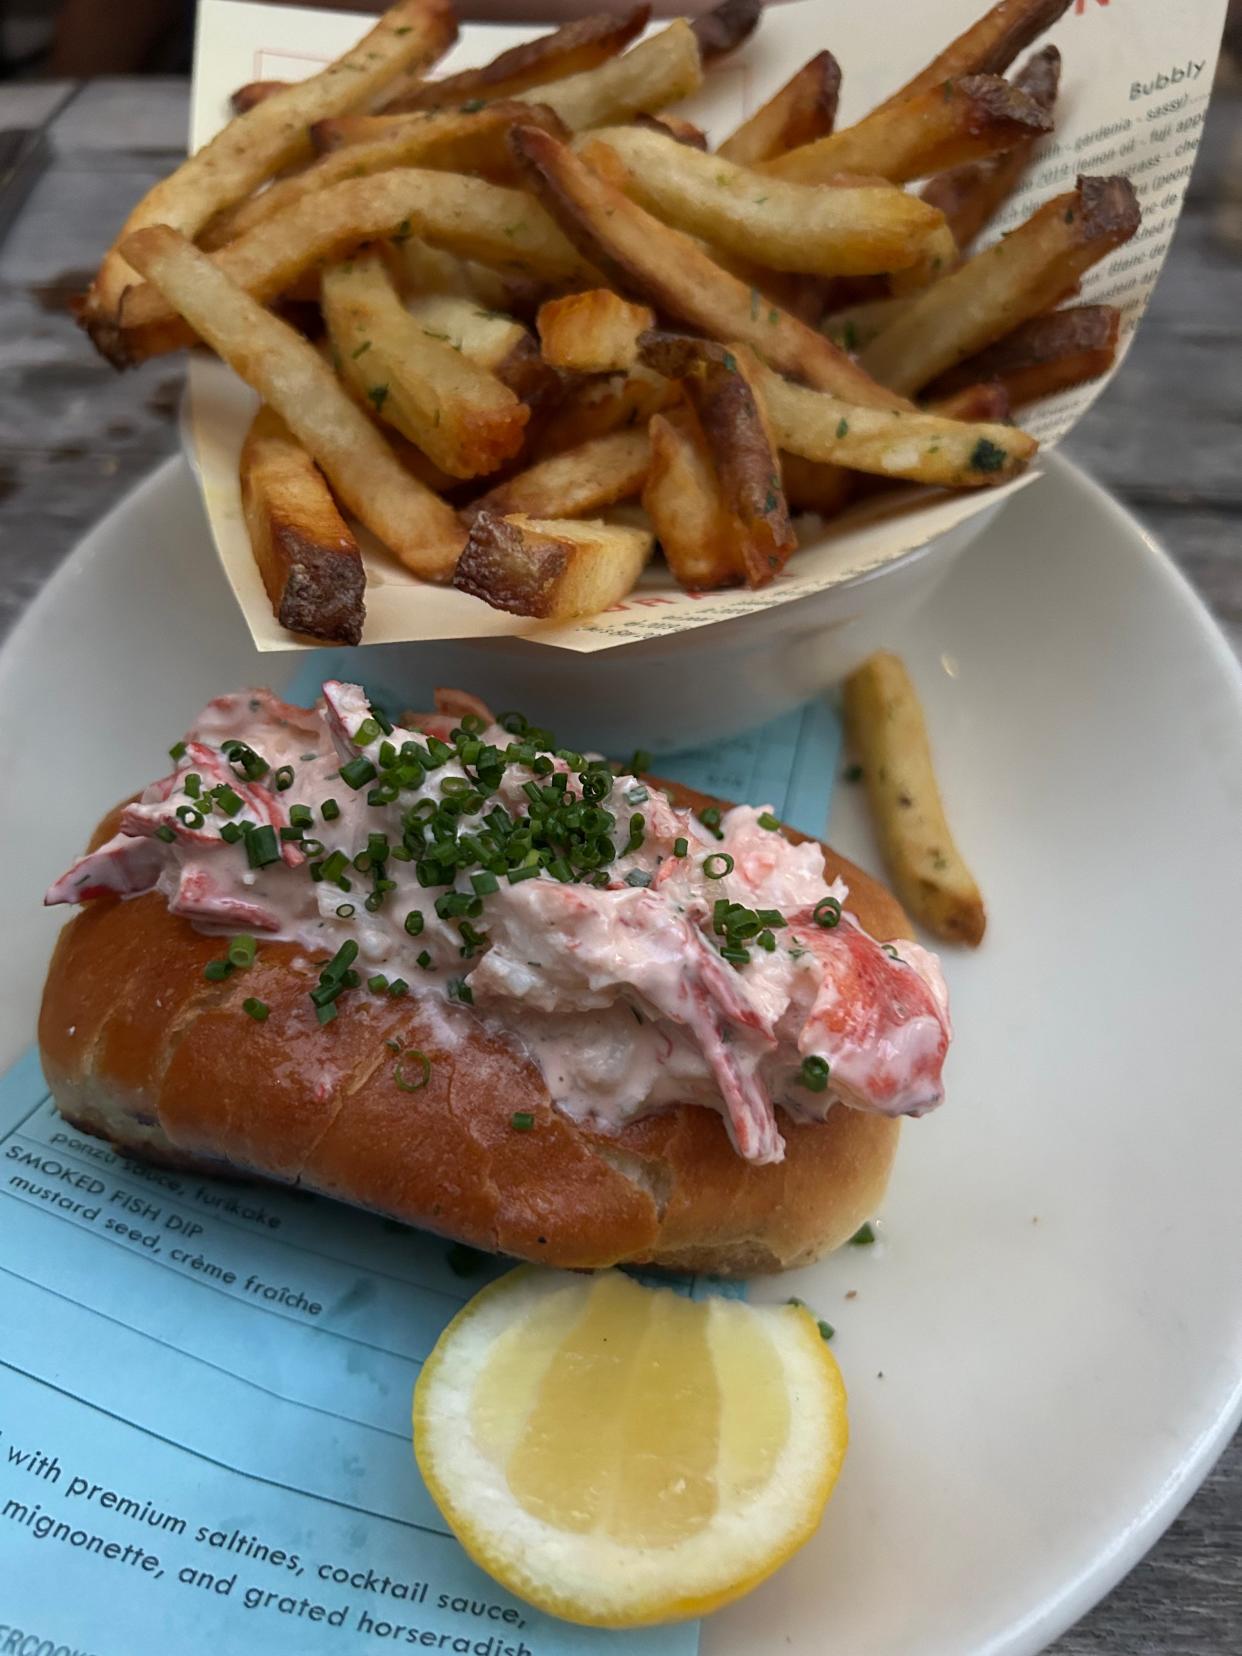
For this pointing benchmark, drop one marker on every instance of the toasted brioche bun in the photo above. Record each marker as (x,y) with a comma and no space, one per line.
(139,1048)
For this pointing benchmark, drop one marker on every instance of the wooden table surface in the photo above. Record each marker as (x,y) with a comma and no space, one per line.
(1166,438)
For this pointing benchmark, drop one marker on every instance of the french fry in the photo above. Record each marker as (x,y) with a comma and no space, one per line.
(649,261)
(969,196)
(682,497)
(660,70)
(988,296)
(555,569)
(938,258)
(291,376)
(458,413)
(595,332)
(803,110)
(984,400)
(814,486)
(569,50)
(449,141)
(597,406)
(944,127)
(254,92)
(467,215)
(424,269)
(268,137)
(920,447)
(306,553)
(846,231)
(1049,353)
(574,483)
(987,47)
(724,389)
(685,132)
(489,339)
(888,733)
(855,326)
(725,27)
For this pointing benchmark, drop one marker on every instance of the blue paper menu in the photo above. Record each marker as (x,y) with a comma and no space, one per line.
(205,1388)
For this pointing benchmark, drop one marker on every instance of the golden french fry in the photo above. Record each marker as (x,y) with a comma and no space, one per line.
(574,483)
(268,137)
(448,141)
(921,447)
(556,569)
(576,46)
(969,196)
(685,132)
(682,497)
(595,332)
(987,47)
(725,27)
(725,390)
(943,127)
(938,258)
(460,415)
(845,231)
(855,326)
(254,92)
(1020,276)
(886,728)
(1047,354)
(803,110)
(423,269)
(648,260)
(306,553)
(487,338)
(467,215)
(291,376)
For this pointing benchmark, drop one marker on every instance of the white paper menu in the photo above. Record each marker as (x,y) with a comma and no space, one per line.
(1136,77)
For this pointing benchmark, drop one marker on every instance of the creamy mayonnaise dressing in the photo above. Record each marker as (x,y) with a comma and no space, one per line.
(617,990)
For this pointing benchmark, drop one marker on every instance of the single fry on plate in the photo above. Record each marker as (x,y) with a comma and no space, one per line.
(291,376)
(306,552)
(888,733)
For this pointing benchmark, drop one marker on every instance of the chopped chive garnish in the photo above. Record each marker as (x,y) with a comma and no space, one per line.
(717,865)
(215,971)
(325,1012)
(681,847)
(193,785)
(864,1236)
(189,817)
(345,911)
(377,984)
(284,778)
(262,847)
(356,773)
(245,761)
(329,810)
(366,732)
(638,877)
(709,816)
(165,833)
(256,1009)
(768,821)
(412,1071)
(227,800)
(424,960)
(177,752)
(230,832)
(521,1121)
(458,989)
(814,1074)
(398,986)
(242,950)
(485,883)
(826,1330)
(414,922)
(827,913)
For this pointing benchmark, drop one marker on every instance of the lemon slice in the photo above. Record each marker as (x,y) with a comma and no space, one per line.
(618,1455)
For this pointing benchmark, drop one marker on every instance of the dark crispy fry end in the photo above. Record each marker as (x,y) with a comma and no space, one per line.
(324,591)
(1048,353)
(982,402)
(578,46)
(814,113)
(989,45)
(1110,209)
(741,447)
(254,92)
(510,568)
(725,27)
(996,105)
(685,132)
(970,195)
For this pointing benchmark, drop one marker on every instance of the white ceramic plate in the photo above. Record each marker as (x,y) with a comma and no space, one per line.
(1045,1354)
